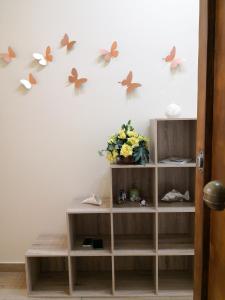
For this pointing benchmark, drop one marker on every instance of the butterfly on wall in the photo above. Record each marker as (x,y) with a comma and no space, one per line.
(131,86)
(73,78)
(44,59)
(108,54)
(7,57)
(171,58)
(66,42)
(27,83)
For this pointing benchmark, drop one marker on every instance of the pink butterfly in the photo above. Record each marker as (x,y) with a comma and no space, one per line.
(171,57)
(113,52)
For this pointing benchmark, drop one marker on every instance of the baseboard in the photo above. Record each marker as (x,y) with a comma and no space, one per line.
(12,267)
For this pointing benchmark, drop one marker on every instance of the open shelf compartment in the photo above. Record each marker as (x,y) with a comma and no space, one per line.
(48,276)
(175,275)
(176,138)
(142,179)
(92,225)
(91,276)
(180,179)
(134,275)
(134,233)
(176,233)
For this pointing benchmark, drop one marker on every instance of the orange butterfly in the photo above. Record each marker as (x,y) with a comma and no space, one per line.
(175,62)
(44,59)
(66,42)
(28,83)
(107,55)
(7,57)
(73,78)
(128,82)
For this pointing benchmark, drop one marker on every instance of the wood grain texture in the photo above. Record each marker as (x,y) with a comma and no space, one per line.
(203,143)
(217,226)
(176,138)
(140,178)
(13,287)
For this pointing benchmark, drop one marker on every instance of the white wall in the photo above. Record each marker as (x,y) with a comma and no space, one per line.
(50,136)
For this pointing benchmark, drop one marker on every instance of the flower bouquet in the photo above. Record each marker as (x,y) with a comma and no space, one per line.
(127,147)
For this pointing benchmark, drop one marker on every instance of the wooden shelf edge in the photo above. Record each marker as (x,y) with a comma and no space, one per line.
(117,166)
(186,165)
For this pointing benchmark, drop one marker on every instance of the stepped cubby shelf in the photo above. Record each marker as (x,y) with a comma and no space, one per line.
(147,251)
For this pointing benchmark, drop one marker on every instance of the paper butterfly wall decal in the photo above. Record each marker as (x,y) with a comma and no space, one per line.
(7,57)
(73,78)
(107,55)
(28,83)
(43,59)
(171,57)
(66,42)
(131,86)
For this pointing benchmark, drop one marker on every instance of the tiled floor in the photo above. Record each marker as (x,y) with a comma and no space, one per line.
(13,287)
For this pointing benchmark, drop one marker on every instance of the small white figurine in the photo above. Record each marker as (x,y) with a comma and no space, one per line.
(173,110)
(143,202)
(94,200)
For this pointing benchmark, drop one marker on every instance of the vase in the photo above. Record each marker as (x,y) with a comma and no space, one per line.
(125,160)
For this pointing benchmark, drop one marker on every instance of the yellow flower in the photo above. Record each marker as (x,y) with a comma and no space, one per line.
(110,157)
(122,134)
(126,150)
(114,154)
(134,141)
(132,133)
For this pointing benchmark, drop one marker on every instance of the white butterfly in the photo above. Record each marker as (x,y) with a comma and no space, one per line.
(43,59)
(28,83)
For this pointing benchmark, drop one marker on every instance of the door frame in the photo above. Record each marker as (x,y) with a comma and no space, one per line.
(207,9)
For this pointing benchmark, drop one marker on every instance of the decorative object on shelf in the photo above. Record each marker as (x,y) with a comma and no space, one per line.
(175,160)
(173,110)
(92,243)
(28,83)
(43,59)
(66,42)
(73,78)
(171,58)
(87,243)
(175,196)
(122,197)
(134,195)
(127,145)
(108,54)
(93,199)
(7,57)
(97,244)
(143,202)
(131,86)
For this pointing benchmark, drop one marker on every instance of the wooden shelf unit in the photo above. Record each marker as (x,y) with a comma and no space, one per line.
(148,251)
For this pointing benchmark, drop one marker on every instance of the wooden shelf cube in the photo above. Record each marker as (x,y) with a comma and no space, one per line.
(134,275)
(91,276)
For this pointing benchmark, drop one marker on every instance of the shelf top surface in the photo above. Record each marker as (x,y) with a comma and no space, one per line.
(49,245)
(177,165)
(174,119)
(154,165)
(132,166)
(77,207)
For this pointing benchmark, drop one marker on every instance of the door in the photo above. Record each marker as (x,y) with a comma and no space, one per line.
(216,280)
(210,225)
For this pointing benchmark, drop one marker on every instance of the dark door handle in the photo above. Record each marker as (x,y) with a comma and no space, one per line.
(214,195)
